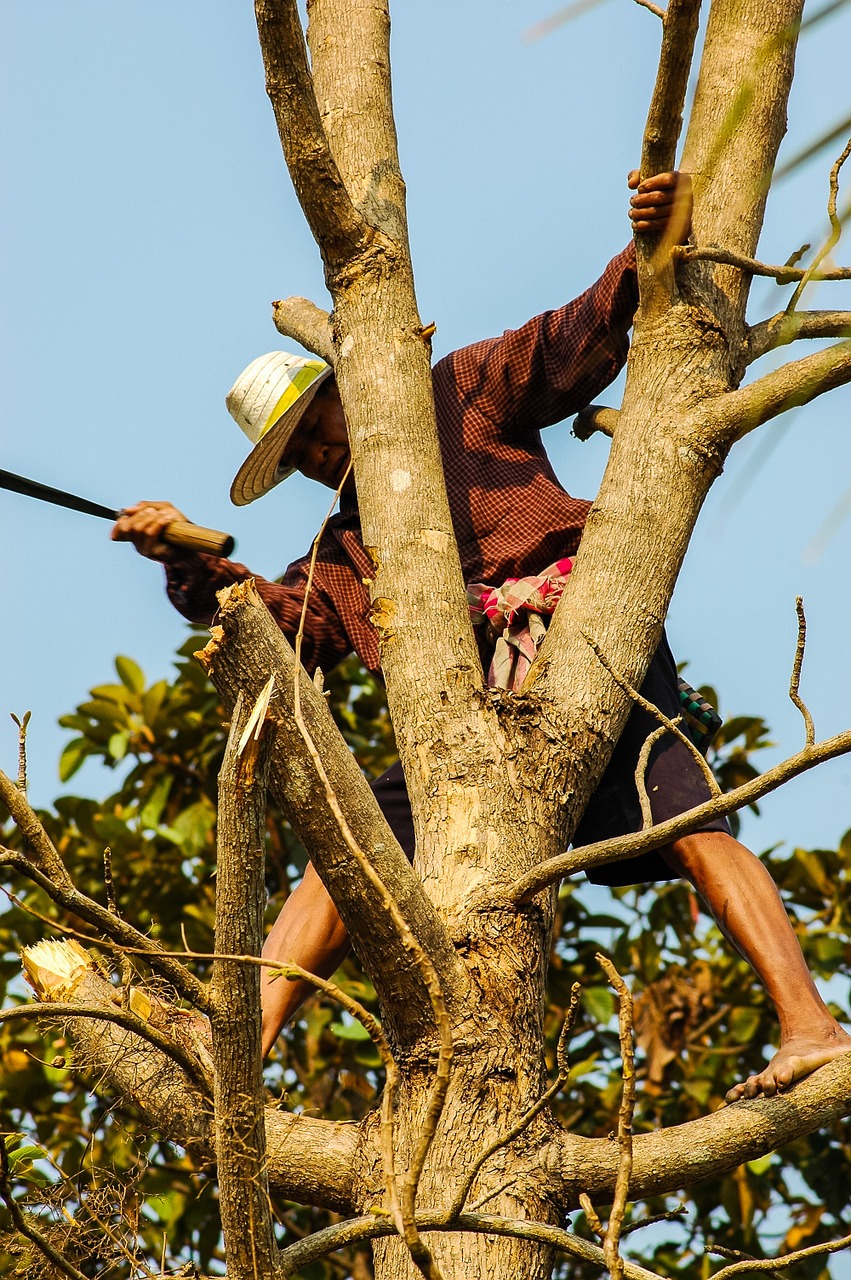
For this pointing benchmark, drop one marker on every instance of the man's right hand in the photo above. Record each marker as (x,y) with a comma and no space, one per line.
(143,525)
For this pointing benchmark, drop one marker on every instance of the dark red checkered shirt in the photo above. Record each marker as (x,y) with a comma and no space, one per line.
(511,515)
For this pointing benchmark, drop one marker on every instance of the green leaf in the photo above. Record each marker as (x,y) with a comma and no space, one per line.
(130,674)
(73,755)
(599,1002)
(151,811)
(350,1030)
(191,827)
(118,745)
(761,1165)
(744,1023)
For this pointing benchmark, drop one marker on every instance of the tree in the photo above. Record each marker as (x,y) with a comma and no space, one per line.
(457,952)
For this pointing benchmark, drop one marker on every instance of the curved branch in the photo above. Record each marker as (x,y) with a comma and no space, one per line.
(786,327)
(605,851)
(44,853)
(309,325)
(122,1018)
(797,383)
(299,1255)
(670,1159)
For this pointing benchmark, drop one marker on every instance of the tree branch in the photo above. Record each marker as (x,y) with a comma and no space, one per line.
(783,274)
(309,325)
(245,648)
(26,1228)
(336,225)
(752,1265)
(784,328)
(605,851)
(659,149)
(596,417)
(309,1161)
(677,1157)
(298,1256)
(736,413)
(235,1018)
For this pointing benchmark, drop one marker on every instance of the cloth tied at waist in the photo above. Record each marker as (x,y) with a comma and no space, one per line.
(516,616)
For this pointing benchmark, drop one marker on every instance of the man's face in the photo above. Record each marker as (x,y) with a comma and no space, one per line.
(320,447)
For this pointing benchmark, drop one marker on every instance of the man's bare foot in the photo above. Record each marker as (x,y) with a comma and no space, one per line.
(797,1058)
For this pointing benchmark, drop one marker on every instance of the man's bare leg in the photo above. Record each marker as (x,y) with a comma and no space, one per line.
(309,933)
(749,911)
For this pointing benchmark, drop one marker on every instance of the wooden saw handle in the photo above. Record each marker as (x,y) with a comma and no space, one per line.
(194,537)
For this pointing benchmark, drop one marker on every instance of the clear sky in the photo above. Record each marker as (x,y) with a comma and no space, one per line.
(148,221)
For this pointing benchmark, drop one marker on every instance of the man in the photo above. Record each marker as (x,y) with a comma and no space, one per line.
(512,520)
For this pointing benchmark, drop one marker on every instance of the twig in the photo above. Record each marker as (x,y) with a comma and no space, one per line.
(124,964)
(604,851)
(654,8)
(782,274)
(670,1215)
(796,673)
(443,1071)
(528,1116)
(641,772)
(835,229)
(299,1255)
(611,1244)
(26,1228)
(786,1260)
(22,749)
(592,1216)
(651,709)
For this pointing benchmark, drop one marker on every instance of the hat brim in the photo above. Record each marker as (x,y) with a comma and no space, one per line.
(261,470)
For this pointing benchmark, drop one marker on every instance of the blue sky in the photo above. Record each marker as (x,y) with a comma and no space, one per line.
(148,221)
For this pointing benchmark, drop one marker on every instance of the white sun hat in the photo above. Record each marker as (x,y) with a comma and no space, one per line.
(267,401)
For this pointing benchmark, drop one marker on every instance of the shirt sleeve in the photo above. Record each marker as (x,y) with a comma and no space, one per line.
(556,363)
(193,579)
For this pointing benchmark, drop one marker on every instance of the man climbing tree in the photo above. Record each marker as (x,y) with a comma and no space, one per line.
(518,529)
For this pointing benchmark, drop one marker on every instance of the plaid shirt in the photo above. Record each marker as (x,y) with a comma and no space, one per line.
(511,515)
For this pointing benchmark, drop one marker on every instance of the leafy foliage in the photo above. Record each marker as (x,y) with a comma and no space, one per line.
(700,1020)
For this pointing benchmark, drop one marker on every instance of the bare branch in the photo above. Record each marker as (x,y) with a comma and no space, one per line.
(301,319)
(835,230)
(749,1266)
(122,1018)
(752,266)
(605,851)
(336,225)
(298,1256)
(22,748)
(611,1243)
(784,328)
(659,148)
(596,417)
(737,412)
(796,673)
(654,8)
(651,709)
(46,858)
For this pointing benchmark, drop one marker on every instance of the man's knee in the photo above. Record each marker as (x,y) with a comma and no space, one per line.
(696,856)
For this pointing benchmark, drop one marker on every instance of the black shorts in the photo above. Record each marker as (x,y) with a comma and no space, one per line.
(674,782)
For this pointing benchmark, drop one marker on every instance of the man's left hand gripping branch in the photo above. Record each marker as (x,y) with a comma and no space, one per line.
(516,524)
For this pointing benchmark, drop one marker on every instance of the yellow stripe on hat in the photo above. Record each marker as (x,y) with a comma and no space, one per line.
(303,378)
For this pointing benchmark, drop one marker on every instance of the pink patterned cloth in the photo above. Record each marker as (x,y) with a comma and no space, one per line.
(514,615)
